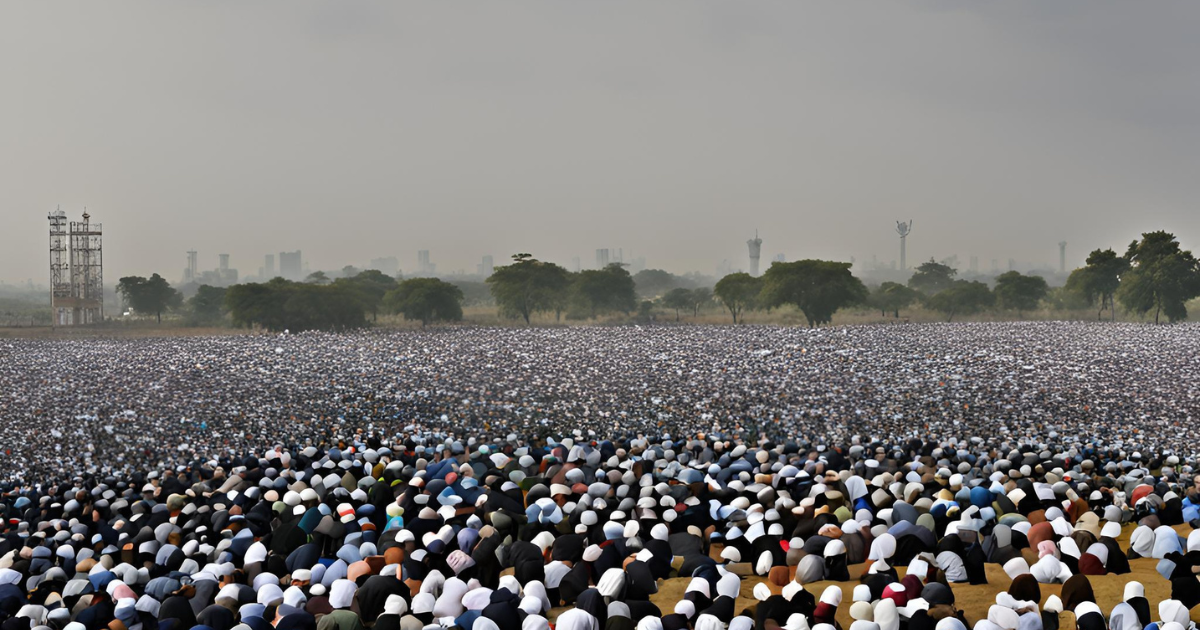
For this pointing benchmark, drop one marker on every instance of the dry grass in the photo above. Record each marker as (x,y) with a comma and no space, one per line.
(120,331)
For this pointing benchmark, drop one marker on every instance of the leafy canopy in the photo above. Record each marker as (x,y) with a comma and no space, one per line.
(427,300)
(1020,292)
(932,277)
(817,287)
(1162,277)
(149,296)
(738,292)
(606,290)
(963,297)
(529,286)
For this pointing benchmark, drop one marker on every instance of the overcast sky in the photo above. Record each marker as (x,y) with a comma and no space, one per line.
(353,130)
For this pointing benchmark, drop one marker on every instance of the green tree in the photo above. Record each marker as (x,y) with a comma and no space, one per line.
(738,292)
(932,277)
(475,293)
(258,304)
(369,287)
(529,286)
(426,299)
(890,297)
(1099,280)
(1020,292)
(679,299)
(962,298)
(284,305)
(655,282)
(149,296)
(321,307)
(817,287)
(1162,277)
(1066,299)
(701,297)
(646,310)
(317,277)
(606,290)
(207,306)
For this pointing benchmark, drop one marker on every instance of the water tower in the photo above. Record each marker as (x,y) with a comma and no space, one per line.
(755,245)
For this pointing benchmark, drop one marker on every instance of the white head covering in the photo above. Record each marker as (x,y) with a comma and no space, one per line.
(538,622)
(612,582)
(729,585)
(1142,541)
(1124,617)
(1049,570)
(1173,610)
(832,595)
(952,565)
(575,619)
(647,623)
(449,602)
(341,594)
(1015,567)
(886,615)
(882,548)
(1165,541)
(1004,617)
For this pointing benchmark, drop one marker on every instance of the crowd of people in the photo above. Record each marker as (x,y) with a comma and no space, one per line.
(518,478)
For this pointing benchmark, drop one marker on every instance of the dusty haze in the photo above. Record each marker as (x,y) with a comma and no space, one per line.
(353,130)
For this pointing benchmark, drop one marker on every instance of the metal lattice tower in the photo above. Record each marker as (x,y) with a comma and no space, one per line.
(87,271)
(60,267)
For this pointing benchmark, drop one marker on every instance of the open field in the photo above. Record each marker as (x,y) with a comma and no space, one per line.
(173,326)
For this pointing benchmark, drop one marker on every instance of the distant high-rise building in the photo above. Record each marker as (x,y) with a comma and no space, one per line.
(1012,264)
(755,245)
(193,267)
(268,266)
(575,264)
(224,264)
(601,258)
(291,265)
(424,266)
(486,267)
(1062,257)
(388,265)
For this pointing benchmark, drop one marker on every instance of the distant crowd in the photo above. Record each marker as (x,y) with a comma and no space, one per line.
(474,478)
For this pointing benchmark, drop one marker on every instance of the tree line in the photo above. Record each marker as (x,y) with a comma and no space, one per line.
(1154,276)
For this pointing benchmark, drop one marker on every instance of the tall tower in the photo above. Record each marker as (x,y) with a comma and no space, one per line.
(60,268)
(1062,257)
(193,268)
(87,271)
(755,245)
(903,229)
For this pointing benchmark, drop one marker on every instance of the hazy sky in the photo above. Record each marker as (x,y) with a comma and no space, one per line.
(353,129)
